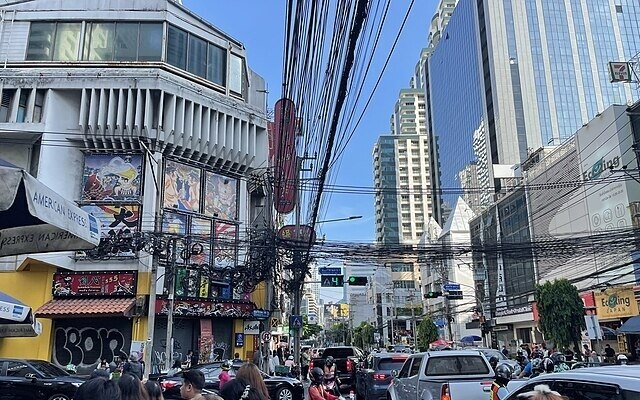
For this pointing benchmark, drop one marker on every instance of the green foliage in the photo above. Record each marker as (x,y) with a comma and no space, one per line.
(561,312)
(427,333)
(363,335)
(339,333)
(309,330)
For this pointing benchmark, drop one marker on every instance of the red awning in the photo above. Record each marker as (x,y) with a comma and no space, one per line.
(101,307)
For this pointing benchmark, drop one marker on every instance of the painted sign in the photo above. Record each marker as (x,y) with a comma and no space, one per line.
(86,342)
(225,245)
(251,327)
(67,284)
(284,156)
(302,233)
(181,187)
(116,220)
(221,196)
(205,308)
(109,177)
(616,303)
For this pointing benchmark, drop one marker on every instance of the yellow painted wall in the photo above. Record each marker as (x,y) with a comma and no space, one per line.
(32,286)
(140,326)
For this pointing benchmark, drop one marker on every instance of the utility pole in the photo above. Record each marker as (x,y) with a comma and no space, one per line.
(172,288)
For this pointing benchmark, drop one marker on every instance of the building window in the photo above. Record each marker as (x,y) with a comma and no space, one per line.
(126,41)
(236,74)
(5,104)
(177,47)
(38,105)
(50,41)
(67,44)
(150,42)
(197,62)
(22,105)
(404,284)
(216,65)
(99,41)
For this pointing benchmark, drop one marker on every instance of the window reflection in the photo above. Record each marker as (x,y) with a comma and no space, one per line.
(126,41)
(67,42)
(177,47)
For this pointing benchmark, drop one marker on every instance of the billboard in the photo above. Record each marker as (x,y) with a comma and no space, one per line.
(108,177)
(221,196)
(74,284)
(284,156)
(181,187)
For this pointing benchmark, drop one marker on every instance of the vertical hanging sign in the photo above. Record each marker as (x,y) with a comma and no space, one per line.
(284,156)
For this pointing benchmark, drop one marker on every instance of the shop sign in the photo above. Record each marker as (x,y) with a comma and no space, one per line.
(239,339)
(514,311)
(616,304)
(200,308)
(68,284)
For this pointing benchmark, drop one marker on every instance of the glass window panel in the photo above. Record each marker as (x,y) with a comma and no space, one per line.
(102,39)
(177,47)
(40,46)
(126,41)
(235,73)
(67,41)
(216,64)
(197,61)
(150,45)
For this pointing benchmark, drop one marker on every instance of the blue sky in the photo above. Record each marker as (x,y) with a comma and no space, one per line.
(259,24)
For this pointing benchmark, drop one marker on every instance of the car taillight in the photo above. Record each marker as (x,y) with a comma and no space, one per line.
(166,385)
(349,366)
(310,365)
(444,392)
(380,377)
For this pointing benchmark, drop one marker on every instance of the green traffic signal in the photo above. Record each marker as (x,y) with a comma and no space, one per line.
(432,295)
(358,280)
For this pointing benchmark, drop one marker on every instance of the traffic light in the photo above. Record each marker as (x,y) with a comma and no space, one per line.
(432,295)
(358,280)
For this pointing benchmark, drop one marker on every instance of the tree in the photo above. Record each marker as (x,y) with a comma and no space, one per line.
(427,333)
(308,329)
(363,335)
(561,313)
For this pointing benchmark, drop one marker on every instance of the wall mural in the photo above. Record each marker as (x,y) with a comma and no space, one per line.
(225,245)
(109,177)
(116,220)
(181,187)
(221,196)
(86,346)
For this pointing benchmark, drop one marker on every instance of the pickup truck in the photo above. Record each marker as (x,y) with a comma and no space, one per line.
(447,374)
(347,359)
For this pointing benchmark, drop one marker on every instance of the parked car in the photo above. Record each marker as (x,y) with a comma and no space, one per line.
(611,383)
(374,378)
(35,380)
(347,360)
(280,387)
(453,374)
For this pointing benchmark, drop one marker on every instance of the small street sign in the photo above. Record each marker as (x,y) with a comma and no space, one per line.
(274,323)
(295,322)
(332,281)
(266,336)
(451,286)
(260,314)
(455,295)
(330,271)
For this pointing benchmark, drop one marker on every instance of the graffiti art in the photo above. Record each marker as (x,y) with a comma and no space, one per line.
(109,177)
(181,187)
(206,308)
(221,196)
(87,346)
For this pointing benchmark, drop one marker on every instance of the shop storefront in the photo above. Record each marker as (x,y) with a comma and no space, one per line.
(209,328)
(93,316)
(614,307)
(515,326)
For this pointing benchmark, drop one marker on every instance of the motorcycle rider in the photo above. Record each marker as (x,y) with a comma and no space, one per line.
(499,386)
(493,361)
(317,390)
(331,381)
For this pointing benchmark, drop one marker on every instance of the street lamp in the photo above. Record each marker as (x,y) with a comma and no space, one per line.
(339,219)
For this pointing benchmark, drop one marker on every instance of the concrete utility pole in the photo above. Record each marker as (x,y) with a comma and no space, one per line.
(172,288)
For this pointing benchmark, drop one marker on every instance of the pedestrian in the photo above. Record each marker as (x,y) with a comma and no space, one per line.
(289,363)
(192,384)
(280,353)
(131,388)
(236,358)
(586,351)
(257,359)
(190,360)
(505,351)
(610,354)
(568,354)
(153,390)
(273,363)
(224,376)
(100,373)
(104,364)
(98,389)
(237,389)
(526,348)
(542,392)
(250,374)
(133,366)
(305,360)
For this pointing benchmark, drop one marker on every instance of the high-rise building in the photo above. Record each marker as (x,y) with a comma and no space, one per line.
(521,75)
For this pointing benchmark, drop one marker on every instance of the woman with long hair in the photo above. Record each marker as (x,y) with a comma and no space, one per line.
(154,392)
(131,388)
(250,374)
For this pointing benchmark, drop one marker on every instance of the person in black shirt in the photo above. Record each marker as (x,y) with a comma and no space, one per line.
(610,354)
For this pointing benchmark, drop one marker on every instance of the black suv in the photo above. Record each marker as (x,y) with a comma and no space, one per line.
(35,380)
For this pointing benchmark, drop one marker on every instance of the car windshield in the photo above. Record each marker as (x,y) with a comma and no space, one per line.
(47,369)
(493,353)
(390,364)
(456,365)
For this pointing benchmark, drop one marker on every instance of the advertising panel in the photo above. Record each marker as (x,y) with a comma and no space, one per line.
(109,177)
(225,244)
(181,187)
(72,284)
(284,156)
(221,196)
(616,303)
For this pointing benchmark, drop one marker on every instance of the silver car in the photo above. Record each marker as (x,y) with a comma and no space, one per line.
(599,383)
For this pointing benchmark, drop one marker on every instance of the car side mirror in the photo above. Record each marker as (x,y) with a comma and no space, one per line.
(394,373)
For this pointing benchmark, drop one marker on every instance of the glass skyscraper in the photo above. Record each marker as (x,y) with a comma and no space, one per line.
(522,74)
